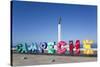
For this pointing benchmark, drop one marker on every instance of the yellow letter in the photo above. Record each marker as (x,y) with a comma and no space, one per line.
(87,47)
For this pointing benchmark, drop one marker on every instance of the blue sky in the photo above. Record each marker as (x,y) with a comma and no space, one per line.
(36,22)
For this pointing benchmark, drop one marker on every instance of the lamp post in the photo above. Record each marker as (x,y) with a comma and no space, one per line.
(59,30)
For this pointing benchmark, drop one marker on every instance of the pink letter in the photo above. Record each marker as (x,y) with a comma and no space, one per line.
(60,47)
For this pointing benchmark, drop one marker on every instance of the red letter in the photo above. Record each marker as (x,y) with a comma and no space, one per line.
(71,46)
(77,47)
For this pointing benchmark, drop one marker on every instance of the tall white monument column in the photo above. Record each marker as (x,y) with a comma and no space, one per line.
(59,30)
